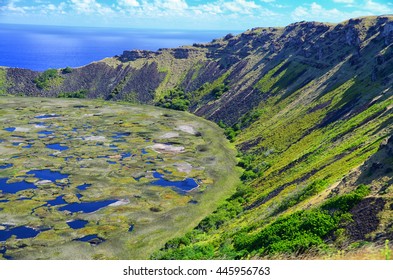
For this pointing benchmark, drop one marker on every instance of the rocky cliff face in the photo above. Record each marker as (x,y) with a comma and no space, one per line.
(326,54)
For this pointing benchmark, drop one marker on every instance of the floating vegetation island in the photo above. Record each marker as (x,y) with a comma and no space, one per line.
(97,180)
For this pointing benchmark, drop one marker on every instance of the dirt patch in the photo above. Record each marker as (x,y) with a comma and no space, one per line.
(163,148)
(95,138)
(183,167)
(187,128)
(21,129)
(120,202)
(169,135)
(365,218)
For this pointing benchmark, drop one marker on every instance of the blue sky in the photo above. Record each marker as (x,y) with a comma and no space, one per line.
(186,14)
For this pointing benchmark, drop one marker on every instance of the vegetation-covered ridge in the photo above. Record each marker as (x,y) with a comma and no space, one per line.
(309,107)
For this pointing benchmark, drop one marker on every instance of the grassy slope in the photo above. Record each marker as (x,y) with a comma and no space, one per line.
(304,143)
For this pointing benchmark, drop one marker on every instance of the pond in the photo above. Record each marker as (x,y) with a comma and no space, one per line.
(121,134)
(126,155)
(8,165)
(93,239)
(57,147)
(15,187)
(77,224)
(57,201)
(180,186)
(45,132)
(47,174)
(3,252)
(83,187)
(20,232)
(47,116)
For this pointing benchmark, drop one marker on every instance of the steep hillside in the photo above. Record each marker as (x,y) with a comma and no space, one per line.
(309,107)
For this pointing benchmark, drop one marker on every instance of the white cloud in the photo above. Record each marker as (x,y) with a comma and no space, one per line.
(240,6)
(90,7)
(176,5)
(344,1)
(159,8)
(11,7)
(138,12)
(210,8)
(128,3)
(377,8)
(316,12)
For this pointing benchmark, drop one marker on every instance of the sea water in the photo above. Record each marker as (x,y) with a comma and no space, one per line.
(42,47)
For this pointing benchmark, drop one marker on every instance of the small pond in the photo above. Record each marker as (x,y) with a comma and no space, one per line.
(20,232)
(47,116)
(77,224)
(93,239)
(45,132)
(47,174)
(57,201)
(180,186)
(121,134)
(57,147)
(83,187)
(8,165)
(15,187)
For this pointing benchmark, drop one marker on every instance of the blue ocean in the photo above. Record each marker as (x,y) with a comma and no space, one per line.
(42,47)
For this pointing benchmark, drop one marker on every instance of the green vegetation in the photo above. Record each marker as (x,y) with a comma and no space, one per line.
(309,191)
(230,132)
(387,251)
(76,94)
(66,70)
(174,99)
(182,247)
(48,78)
(214,89)
(295,233)
(219,90)
(266,83)
(3,81)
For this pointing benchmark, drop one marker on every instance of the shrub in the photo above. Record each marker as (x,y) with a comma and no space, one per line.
(46,78)
(294,233)
(174,99)
(343,203)
(66,70)
(76,94)
(304,229)
(219,90)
